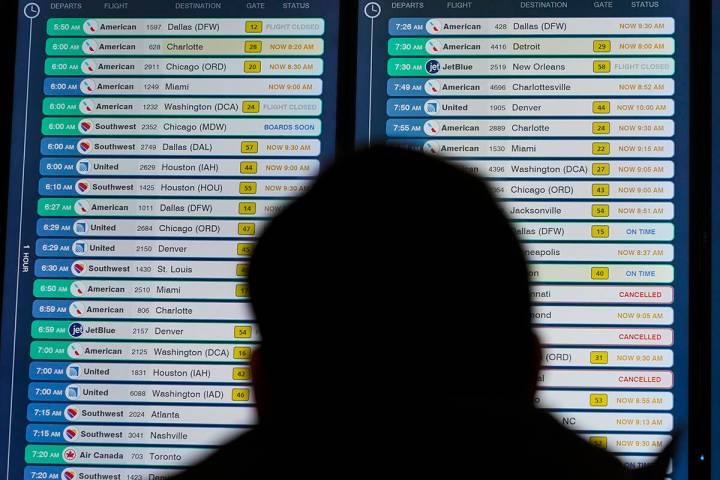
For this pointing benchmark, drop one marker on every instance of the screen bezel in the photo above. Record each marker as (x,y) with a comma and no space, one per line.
(699,341)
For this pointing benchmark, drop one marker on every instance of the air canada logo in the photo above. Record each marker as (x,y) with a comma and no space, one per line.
(82,186)
(432,67)
(69,455)
(76,330)
(71,412)
(70,434)
(85,126)
(69,474)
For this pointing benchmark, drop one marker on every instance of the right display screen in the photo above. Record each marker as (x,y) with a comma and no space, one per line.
(578,116)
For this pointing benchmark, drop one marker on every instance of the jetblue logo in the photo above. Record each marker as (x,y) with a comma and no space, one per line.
(432,67)
(75,329)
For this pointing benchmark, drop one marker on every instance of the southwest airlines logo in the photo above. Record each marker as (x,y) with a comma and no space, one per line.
(69,474)
(70,434)
(84,146)
(85,126)
(81,186)
(71,412)
(79,268)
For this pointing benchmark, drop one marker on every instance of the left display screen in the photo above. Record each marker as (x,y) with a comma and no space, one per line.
(152,141)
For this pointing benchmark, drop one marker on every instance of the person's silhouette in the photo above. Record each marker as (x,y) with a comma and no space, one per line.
(393,303)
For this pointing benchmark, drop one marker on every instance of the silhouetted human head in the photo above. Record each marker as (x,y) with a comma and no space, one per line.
(394,282)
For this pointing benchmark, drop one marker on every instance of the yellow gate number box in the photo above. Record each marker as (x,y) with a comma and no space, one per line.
(599,358)
(600,189)
(241,373)
(601,107)
(248,168)
(244,249)
(600,231)
(601,210)
(249,147)
(598,400)
(602,46)
(240,394)
(601,169)
(254,26)
(601,66)
(252,66)
(600,442)
(601,148)
(248,188)
(243,331)
(601,128)
(251,106)
(241,270)
(246,229)
(600,273)
(247,208)
(242,353)
(242,290)
(253,46)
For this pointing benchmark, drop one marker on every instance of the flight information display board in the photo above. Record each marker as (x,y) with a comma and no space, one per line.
(152,141)
(578,114)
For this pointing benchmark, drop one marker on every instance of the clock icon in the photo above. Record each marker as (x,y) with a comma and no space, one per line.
(32,10)
(372,10)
